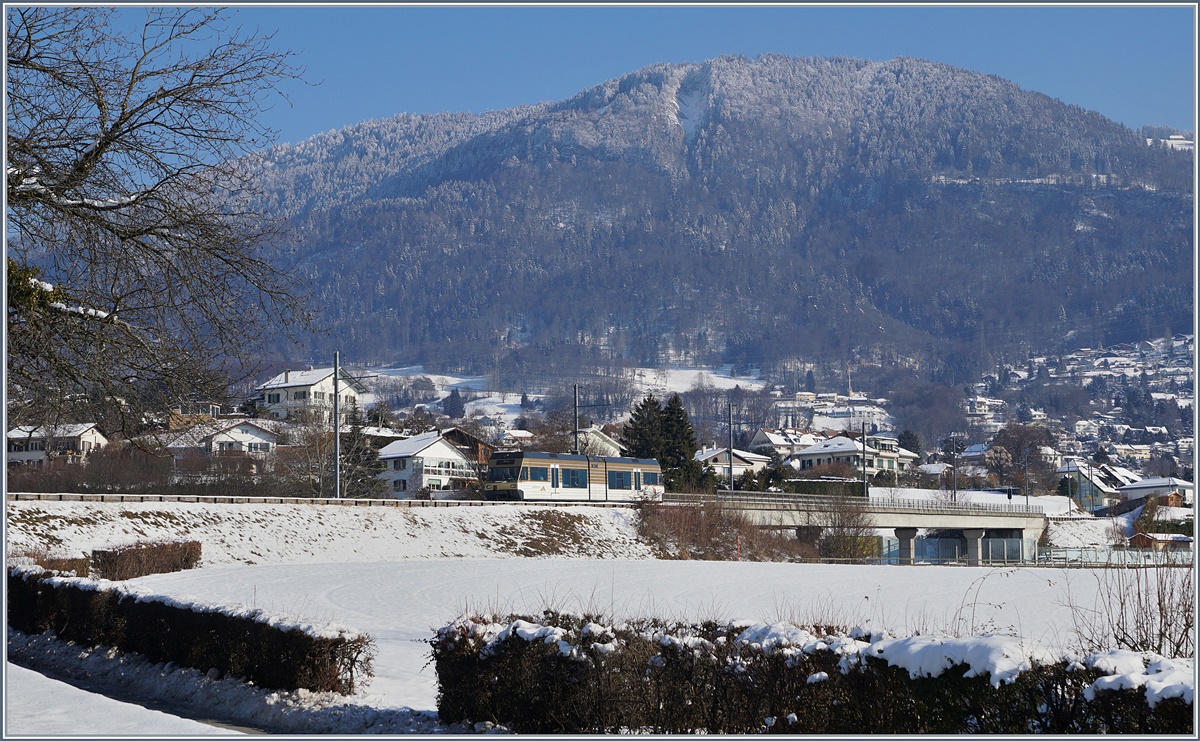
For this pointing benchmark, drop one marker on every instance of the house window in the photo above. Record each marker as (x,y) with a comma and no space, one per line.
(399,464)
(399,485)
(319,395)
(224,446)
(300,395)
(350,399)
(272,398)
(259,447)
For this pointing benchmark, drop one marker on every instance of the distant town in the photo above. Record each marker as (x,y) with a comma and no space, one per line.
(405,436)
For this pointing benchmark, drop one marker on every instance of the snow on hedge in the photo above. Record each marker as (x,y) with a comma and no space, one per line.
(999,658)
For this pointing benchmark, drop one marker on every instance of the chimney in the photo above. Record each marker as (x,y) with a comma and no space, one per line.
(285,376)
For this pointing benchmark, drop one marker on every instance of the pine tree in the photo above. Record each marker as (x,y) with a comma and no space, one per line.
(454,406)
(678,457)
(360,461)
(643,434)
(910,441)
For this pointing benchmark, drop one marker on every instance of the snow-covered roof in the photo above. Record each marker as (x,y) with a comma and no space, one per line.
(193,437)
(837,445)
(707,454)
(787,436)
(310,377)
(519,434)
(934,469)
(62,431)
(1159,482)
(1166,537)
(410,446)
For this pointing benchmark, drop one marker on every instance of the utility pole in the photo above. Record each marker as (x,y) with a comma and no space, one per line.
(1026,480)
(575,422)
(730,451)
(337,432)
(866,494)
(954,476)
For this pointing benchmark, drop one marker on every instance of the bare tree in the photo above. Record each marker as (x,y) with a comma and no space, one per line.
(844,528)
(138,266)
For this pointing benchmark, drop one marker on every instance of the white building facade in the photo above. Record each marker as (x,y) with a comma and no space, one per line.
(425,462)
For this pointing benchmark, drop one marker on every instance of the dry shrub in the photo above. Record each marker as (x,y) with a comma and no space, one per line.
(38,556)
(143,559)
(710,531)
(1140,608)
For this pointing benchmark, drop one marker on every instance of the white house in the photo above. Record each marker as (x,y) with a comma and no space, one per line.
(594,441)
(425,461)
(1096,484)
(1160,486)
(889,456)
(255,437)
(516,439)
(882,454)
(782,442)
(34,446)
(717,460)
(834,450)
(293,392)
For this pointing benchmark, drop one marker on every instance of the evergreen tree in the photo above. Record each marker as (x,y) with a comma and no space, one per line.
(454,406)
(360,461)
(642,436)
(810,382)
(678,457)
(910,441)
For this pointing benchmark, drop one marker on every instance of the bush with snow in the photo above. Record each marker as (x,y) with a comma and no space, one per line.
(570,674)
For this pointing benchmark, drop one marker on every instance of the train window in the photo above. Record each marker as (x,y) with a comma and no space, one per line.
(650,478)
(574,478)
(502,473)
(619,480)
(524,473)
(537,473)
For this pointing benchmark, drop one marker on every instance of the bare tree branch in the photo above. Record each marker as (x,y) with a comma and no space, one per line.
(130,191)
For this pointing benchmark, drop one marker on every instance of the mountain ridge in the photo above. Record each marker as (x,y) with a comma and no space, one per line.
(771,209)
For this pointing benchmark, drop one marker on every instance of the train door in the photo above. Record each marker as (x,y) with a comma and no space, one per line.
(554,480)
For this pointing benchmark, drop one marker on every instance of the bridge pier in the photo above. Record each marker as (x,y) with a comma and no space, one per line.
(905,535)
(974,538)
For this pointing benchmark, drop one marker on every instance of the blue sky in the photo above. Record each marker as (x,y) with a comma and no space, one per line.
(1134,64)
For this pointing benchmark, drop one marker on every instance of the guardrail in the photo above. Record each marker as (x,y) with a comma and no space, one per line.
(772,500)
(344,502)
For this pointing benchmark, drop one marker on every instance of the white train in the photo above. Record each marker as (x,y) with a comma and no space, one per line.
(564,477)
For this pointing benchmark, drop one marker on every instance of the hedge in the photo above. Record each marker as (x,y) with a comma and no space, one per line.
(564,674)
(245,646)
(143,559)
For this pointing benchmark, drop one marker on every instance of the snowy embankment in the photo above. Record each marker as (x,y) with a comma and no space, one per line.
(399,574)
(314,533)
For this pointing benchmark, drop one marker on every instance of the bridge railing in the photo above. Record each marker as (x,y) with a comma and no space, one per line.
(779,500)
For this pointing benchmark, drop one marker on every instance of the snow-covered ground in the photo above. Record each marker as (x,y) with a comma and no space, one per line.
(38,705)
(399,574)
(505,406)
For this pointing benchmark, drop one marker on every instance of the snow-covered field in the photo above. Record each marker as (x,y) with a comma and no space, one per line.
(506,406)
(399,574)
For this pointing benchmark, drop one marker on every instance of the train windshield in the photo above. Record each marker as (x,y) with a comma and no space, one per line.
(503,473)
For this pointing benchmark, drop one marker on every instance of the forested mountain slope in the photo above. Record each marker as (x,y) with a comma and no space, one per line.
(745,210)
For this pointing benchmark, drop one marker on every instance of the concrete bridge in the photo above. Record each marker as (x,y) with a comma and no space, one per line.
(905,516)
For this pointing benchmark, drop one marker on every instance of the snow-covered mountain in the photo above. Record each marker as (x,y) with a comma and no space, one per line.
(741,210)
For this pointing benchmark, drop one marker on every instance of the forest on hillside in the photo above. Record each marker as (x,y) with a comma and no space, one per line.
(900,214)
